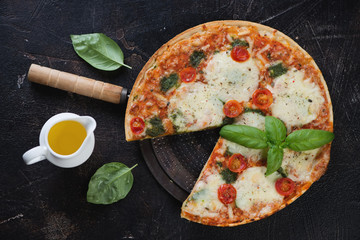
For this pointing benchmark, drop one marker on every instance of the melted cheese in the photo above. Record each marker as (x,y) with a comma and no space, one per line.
(204,201)
(196,105)
(296,101)
(199,105)
(230,79)
(299,165)
(253,188)
(252,119)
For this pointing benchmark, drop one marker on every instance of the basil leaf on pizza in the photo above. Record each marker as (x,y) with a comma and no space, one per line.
(274,159)
(275,134)
(241,43)
(156,127)
(228,176)
(247,136)
(277,70)
(282,172)
(254,110)
(169,82)
(196,58)
(275,130)
(307,139)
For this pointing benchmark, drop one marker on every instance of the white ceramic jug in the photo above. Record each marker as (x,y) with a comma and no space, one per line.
(44,150)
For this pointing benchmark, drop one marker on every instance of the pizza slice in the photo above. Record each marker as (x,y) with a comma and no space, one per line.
(233,189)
(237,72)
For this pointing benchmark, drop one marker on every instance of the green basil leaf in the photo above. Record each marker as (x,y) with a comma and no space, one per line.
(110,183)
(307,139)
(277,70)
(168,82)
(247,136)
(156,127)
(228,176)
(241,43)
(196,57)
(275,130)
(254,111)
(227,121)
(99,51)
(227,152)
(274,159)
(282,172)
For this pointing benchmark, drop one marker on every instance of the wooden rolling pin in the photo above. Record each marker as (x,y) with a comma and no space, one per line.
(77,84)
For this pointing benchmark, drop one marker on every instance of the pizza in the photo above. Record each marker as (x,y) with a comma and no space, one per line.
(234,72)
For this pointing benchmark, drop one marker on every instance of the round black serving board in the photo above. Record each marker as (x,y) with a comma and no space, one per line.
(176,161)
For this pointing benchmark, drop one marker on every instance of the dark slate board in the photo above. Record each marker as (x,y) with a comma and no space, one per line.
(46,202)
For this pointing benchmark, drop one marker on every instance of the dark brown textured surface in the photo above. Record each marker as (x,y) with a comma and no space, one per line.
(45,202)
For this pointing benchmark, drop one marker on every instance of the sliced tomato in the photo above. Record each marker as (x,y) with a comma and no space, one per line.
(233,108)
(137,125)
(227,193)
(237,163)
(188,74)
(262,98)
(240,54)
(285,186)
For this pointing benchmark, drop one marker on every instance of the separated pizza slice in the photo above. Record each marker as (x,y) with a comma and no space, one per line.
(232,188)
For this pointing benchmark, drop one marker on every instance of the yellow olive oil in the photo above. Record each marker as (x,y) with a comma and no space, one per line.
(66,137)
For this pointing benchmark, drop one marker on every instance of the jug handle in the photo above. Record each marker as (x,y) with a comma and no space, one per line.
(35,155)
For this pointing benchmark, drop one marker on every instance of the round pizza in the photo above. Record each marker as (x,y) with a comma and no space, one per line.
(234,72)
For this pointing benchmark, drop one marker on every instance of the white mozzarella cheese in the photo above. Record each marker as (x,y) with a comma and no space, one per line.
(297,101)
(197,105)
(230,79)
(204,202)
(299,165)
(254,188)
(252,119)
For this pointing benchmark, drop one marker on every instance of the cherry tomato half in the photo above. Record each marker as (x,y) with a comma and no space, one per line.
(233,108)
(137,125)
(285,186)
(188,75)
(237,163)
(262,98)
(227,193)
(240,54)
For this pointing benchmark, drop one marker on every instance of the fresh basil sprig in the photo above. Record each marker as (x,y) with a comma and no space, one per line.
(110,183)
(275,139)
(99,51)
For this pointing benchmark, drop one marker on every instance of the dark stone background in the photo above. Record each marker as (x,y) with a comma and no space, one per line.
(42,201)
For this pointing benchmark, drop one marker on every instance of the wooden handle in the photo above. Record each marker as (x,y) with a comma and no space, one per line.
(77,84)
